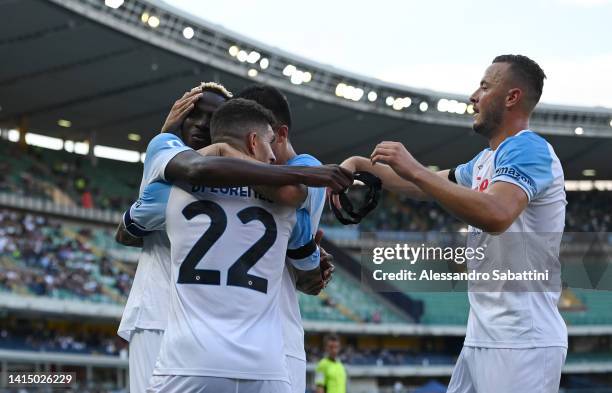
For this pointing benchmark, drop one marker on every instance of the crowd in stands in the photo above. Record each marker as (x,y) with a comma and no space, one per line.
(67,178)
(587,211)
(41,173)
(42,257)
(38,335)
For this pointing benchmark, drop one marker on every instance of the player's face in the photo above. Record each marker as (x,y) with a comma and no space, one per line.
(195,131)
(488,100)
(262,146)
(279,146)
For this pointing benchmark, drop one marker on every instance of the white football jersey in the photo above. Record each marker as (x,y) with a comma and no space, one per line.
(519,318)
(308,217)
(147,304)
(228,248)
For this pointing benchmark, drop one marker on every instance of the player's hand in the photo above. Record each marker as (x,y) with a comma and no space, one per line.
(332,176)
(397,157)
(214,150)
(326,265)
(181,108)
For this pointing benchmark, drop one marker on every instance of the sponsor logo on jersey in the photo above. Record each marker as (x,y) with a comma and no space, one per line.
(515,174)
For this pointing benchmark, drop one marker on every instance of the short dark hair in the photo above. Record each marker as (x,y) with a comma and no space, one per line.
(236,118)
(528,72)
(331,337)
(271,98)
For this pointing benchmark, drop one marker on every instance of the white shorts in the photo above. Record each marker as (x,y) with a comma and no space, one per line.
(297,374)
(501,370)
(195,384)
(143,350)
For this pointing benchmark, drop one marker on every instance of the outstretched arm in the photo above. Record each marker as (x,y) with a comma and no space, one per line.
(193,168)
(288,195)
(390,180)
(492,211)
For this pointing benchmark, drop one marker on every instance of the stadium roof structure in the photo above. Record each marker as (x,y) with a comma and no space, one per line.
(102,70)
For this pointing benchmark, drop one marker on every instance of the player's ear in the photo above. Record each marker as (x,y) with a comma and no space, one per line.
(514,97)
(282,133)
(251,140)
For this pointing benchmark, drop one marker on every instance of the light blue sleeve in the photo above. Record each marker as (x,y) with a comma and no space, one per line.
(309,213)
(525,161)
(160,151)
(464,172)
(302,252)
(148,213)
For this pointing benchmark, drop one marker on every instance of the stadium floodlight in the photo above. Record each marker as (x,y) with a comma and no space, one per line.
(64,123)
(153,21)
(253,57)
(252,73)
(390,100)
(349,92)
(589,172)
(579,131)
(610,122)
(114,153)
(144,17)
(233,50)
(289,70)
(13,135)
(434,168)
(242,56)
(113,3)
(340,89)
(460,108)
(81,148)
(372,96)
(423,106)
(357,94)
(470,109)
(44,141)
(297,77)
(264,63)
(134,137)
(402,103)
(188,32)
(307,77)
(443,105)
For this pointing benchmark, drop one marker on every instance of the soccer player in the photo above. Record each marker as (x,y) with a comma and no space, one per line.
(330,375)
(293,332)
(169,159)
(228,250)
(516,341)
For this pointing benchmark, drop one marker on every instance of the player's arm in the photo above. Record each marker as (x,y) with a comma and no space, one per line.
(312,282)
(390,180)
(193,168)
(288,195)
(146,215)
(492,211)
(124,237)
(304,255)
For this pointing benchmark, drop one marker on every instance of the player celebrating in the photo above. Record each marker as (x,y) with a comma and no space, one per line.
(226,274)
(516,341)
(293,331)
(168,158)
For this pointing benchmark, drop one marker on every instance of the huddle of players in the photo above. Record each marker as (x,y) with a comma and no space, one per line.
(224,331)
(227,238)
